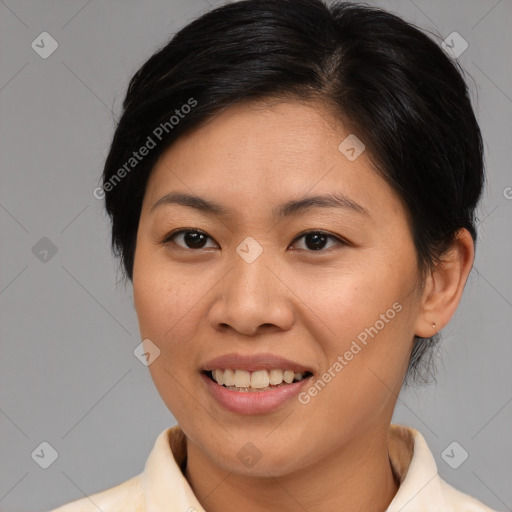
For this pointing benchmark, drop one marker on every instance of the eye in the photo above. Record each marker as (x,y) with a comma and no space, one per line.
(316,240)
(196,239)
(190,238)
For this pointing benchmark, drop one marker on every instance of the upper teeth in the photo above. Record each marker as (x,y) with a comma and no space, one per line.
(258,379)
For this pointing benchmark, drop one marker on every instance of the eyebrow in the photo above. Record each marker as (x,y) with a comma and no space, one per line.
(292,207)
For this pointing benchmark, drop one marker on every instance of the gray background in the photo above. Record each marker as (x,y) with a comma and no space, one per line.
(68,330)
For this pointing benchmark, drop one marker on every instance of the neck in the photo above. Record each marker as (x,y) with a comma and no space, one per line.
(357,476)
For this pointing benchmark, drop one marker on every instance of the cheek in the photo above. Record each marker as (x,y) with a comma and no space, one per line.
(164,301)
(161,294)
(153,299)
(351,299)
(366,318)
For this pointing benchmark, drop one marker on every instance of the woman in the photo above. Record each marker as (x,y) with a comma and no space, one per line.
(292,190)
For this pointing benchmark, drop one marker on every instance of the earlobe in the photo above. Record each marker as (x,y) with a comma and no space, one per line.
(444,286)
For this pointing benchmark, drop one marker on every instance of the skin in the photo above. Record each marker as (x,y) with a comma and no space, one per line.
(303,304)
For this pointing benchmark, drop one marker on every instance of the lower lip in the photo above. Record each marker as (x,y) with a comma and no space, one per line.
(253,402)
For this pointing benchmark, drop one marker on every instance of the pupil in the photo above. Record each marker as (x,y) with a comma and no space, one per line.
(194,239)
(319,241)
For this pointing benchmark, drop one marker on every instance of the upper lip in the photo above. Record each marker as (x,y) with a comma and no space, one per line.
(253,362)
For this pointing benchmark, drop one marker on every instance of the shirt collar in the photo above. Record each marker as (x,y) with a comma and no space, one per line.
(413,464)
(416,470)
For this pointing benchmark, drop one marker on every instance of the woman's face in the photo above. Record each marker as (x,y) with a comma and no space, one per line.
(254,287)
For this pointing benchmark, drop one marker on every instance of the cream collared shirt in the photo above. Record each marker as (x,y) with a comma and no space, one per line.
(161,487)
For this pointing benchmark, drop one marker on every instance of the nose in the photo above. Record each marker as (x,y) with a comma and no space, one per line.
(252,297)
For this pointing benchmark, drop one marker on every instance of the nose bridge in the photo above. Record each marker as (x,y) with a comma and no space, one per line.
(252,294)
(251,280)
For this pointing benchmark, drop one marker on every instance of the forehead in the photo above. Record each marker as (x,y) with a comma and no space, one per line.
(266,153)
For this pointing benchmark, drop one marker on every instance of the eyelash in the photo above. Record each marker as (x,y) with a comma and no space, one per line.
(168,238)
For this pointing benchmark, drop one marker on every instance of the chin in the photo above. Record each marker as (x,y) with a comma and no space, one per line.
(261,457)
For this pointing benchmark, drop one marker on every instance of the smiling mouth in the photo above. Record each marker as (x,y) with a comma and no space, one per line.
(256,381)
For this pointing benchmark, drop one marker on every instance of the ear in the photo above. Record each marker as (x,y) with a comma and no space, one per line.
(444,286)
